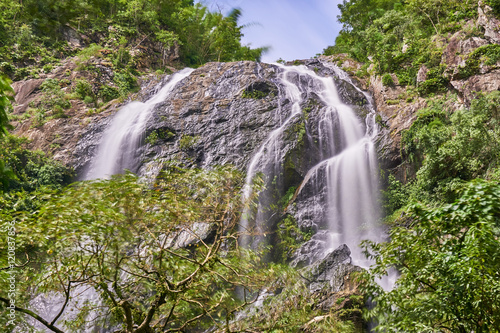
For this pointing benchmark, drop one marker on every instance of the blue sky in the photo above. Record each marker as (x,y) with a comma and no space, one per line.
(294,29)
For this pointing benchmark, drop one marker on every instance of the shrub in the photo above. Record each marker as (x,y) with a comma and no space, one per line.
(435,82)
(88,100)
(83,88)
(47,68)
(450,149)
(93,50)
(486,54)
(387,80)
(31,169)
(187,142)
(53,101)
(495,5)
(160,134)
(126,82)
(121,58)
(108,93)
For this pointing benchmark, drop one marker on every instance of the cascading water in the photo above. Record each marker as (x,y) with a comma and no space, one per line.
(116,153)
(347,165)
(267,157)
(121,139)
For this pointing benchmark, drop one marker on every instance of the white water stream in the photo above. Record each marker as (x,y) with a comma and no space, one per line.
(348,167)
(120,141)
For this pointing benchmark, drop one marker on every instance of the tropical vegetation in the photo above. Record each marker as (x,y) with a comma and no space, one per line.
(444,219)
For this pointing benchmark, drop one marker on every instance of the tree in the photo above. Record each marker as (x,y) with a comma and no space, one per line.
(5,96)
(6,93)
(164,258)
(448,259)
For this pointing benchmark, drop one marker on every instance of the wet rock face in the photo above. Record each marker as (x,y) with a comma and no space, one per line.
(330,272)
(221,114)
(331,278)
(218,115)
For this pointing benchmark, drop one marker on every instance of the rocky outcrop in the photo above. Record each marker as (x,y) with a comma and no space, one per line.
(332,284)
(60,136)
(489,23)
(221,114)
(332,272)
(463,76)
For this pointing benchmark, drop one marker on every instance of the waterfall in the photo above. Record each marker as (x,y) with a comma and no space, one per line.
(346,171)
(120,141)
(268,156)
(116,152)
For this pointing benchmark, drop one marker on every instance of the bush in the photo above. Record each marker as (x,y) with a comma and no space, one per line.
(387,80)
(53,101)
(47,68)
(93,50)
(486,54)
(162,134)
(450,149)
(88,100)
(108,93)
(188,142)
(31,170)
(126,82)
(495,5)
(434,85)
(83,88)
(121,58)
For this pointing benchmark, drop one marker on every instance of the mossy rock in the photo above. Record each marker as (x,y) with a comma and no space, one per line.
(260,90)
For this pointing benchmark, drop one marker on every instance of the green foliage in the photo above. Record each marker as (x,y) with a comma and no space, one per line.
(188,142)
(435,82)
(451,149)
(397,36)
(448,263)
(121,58)
(294,309)
(6,95)
(414,139)
(108,93)
(206,36)
(33,32)
(487,54)
(387,80)
(126,82)
(290,237)
(255,94)
(29,170)
(495,5)
(162,256)
(446,150)
(160,135)
(88,100)
(52,103)
(394,196)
